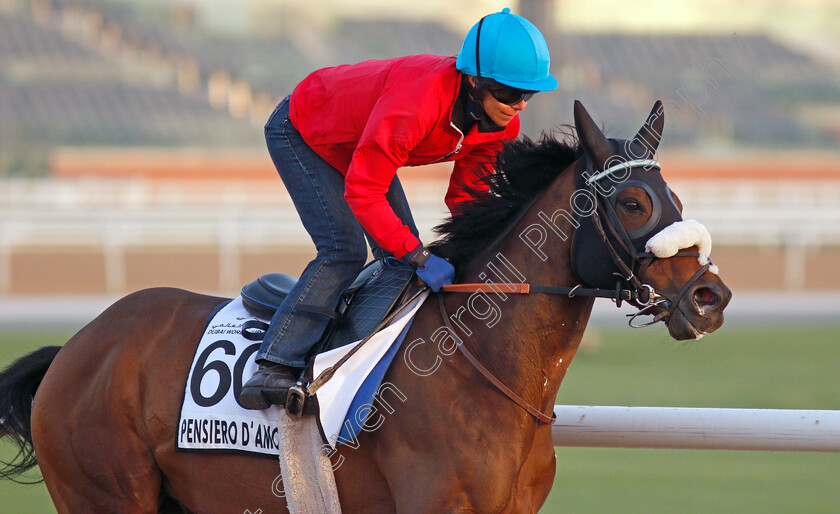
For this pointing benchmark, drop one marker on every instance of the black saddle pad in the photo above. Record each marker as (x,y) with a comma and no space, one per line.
(369,300)
(362,307)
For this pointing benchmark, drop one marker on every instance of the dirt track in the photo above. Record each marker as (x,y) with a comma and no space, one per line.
(50,271)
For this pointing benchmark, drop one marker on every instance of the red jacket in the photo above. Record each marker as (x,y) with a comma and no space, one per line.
(369,119)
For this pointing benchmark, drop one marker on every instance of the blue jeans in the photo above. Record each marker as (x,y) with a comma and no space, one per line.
(317,190)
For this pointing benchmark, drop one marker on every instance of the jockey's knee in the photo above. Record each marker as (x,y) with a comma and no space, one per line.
(354,256)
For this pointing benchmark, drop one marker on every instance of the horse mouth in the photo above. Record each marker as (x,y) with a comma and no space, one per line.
(685,331)
(698,314)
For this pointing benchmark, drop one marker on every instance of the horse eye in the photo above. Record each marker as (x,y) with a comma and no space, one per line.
(631,205)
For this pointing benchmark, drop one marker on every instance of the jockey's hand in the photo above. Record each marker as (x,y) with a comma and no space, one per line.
(433,270)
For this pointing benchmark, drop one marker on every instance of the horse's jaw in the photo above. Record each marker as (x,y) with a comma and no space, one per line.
(681,329)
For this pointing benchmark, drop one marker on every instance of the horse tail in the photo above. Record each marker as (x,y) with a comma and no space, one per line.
(18,384)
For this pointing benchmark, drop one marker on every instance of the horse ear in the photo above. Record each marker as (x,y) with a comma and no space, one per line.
(591,137)
(651,132)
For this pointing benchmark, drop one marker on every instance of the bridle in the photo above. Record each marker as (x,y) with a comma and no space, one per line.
(647,299)
(632,290)
(643,296)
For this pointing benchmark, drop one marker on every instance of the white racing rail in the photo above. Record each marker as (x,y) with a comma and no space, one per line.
(699,429)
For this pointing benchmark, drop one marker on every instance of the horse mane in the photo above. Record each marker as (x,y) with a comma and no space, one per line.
(524,169)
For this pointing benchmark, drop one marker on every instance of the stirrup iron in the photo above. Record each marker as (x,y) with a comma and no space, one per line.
(295,399)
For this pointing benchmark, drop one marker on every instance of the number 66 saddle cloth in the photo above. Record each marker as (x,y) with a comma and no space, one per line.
(211,418)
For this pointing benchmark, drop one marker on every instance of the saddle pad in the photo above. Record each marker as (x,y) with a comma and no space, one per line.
(211,419)
(347,399)
(370,298)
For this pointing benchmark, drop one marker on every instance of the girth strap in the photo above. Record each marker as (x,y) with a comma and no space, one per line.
(541,417)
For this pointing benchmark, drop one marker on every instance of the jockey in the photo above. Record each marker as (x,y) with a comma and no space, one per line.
(337,142)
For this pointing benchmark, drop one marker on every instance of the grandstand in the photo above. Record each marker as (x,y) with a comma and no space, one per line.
(91,72)
(145,131)
(64,83)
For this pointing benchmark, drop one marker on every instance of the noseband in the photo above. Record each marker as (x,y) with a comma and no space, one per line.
(668,305)
(645,297)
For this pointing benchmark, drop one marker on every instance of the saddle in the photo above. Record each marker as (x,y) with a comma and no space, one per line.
(369,299)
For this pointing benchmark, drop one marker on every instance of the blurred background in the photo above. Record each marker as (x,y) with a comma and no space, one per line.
(132,155)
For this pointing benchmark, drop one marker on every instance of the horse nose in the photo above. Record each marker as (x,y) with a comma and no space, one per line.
(712,296)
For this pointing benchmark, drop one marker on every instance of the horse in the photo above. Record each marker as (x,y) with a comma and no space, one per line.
(565,220)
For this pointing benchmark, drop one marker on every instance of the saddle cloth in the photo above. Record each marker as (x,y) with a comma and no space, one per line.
(210,417)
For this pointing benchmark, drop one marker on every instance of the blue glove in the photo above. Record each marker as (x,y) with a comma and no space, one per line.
(433,270)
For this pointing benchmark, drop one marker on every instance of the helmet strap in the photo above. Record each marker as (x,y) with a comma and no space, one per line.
(474,109)
(477,46)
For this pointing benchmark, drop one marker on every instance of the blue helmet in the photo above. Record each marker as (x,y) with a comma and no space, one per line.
(508,49)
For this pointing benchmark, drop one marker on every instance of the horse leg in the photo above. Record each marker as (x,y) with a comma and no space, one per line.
(361,485)
(88,425)
(78,481)
(537,473)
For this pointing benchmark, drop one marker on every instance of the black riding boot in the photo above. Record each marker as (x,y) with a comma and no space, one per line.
(268,386)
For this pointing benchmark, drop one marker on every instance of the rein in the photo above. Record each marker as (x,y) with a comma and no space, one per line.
(643,296)
(541,417)
(618,294)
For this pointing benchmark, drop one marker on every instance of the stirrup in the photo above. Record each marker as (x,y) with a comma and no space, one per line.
(295,400)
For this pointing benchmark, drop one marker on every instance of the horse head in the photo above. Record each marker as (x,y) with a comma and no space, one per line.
(631,231)
(597,218)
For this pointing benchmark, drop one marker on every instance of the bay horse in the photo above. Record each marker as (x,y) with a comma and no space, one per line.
(101,412)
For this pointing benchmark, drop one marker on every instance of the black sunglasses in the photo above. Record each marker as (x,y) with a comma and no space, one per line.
(505,94)
(510,96)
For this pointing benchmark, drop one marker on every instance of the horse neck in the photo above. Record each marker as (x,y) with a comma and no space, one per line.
(529,340)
